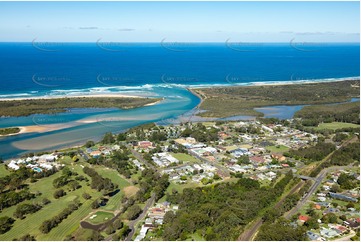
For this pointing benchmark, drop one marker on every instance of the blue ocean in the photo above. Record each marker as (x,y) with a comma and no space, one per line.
(151,70)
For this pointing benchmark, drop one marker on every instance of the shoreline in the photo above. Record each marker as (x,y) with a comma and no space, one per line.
(276,83)
(75,96)
(188,87)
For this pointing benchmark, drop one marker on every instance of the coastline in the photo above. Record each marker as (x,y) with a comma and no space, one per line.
(241,100)
(75,96)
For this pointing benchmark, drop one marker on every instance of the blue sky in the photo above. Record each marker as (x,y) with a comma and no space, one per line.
(180,21)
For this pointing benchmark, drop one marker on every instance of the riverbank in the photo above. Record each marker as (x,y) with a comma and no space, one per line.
(226,101)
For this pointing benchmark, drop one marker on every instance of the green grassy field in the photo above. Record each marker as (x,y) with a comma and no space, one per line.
(277,148)
(336,125)
(3,171)
(184,157)
(115,201)
(101,217)
(32,222)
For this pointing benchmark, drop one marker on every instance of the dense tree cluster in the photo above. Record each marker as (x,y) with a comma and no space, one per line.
(26,208)
(347,181)
(219,211)
(98,182)
(282,230)
(49,224)
(133,212)
(314,153)
(345,112)
(201,133)
(108,138)
(5,224)
(26,237)
(341,157)
(149,181)
(10,198)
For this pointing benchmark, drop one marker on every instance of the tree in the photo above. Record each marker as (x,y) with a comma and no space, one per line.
(89,144)
(95,236)
(45,201)
(86,196)
(5,224)
(108,138)
(59,193)
(73,185)
(329,218)
(27,237)
(133,212)
(95,204)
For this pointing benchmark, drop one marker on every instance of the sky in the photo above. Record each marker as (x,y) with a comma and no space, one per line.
(180,21)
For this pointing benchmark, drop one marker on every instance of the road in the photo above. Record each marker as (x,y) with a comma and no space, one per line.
(133,223)
(223,171)
(248,234)
(82,153)
(313,188)
(140,158)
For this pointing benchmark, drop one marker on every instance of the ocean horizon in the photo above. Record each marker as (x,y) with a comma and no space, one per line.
(52,69)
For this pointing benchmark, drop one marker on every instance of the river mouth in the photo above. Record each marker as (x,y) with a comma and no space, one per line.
(75,127)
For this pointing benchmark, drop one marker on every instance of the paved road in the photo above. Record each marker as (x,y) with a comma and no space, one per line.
(248,234)
(133,223)
(140,158)
(224,171)
(313,188)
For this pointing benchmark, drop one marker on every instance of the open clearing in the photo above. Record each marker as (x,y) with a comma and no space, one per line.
(184,157)
(3,171)
(130,190)
(336,125)
(277,148)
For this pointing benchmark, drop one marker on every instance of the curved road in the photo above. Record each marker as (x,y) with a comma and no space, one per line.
(133,223)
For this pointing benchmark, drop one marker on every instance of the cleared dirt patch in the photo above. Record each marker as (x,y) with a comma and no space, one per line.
(130,190)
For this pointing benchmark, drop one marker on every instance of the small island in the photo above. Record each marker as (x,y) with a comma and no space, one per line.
(9,131)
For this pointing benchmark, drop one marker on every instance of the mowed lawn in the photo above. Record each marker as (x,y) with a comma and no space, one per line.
(184,157)
(336,125)
(277,148)
(3,170)
(101,217)
(32,222)
(114,201)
